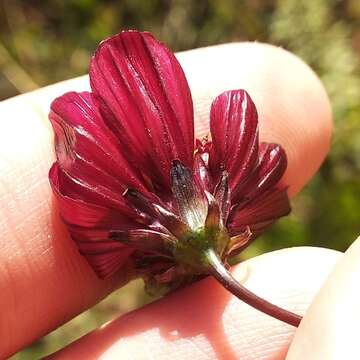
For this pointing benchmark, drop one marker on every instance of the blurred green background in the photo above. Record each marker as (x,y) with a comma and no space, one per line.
(42,42)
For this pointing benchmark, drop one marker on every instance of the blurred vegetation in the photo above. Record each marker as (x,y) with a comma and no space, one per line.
(42,42)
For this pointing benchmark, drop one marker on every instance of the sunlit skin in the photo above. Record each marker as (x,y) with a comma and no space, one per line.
(44,281)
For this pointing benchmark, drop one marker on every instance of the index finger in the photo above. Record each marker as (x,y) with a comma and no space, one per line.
(43,280)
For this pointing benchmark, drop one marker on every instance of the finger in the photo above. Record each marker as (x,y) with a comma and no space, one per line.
(40,268)
(330,328)
(203,321)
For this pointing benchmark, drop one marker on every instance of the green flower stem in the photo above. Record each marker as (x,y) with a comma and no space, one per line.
(219,272)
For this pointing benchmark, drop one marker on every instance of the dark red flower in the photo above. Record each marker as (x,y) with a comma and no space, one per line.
(132,183)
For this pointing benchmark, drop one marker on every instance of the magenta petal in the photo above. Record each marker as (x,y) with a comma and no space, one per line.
(269,171)
(89,226)
(105,257)
(97,195)
(146,102)
(75,211)
(259,213)
(85,147)
(160,216)
(272,165)
(107,263)
(234,132)
(83,213)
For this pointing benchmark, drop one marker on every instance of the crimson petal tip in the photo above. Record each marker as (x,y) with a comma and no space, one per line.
(147,101)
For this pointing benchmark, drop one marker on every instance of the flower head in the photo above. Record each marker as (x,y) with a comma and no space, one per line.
(135,186)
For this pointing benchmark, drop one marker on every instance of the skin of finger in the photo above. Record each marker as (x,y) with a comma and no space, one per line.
(330,329)
(204,321)
(43,280)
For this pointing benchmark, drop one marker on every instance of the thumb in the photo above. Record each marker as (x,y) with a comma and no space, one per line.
(330,329)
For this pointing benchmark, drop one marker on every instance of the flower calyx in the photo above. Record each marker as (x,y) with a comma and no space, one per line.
(202,213)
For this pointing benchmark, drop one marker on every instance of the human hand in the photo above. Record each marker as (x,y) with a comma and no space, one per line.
(44,281)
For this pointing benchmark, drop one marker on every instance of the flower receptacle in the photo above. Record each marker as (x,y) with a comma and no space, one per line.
(191,250)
